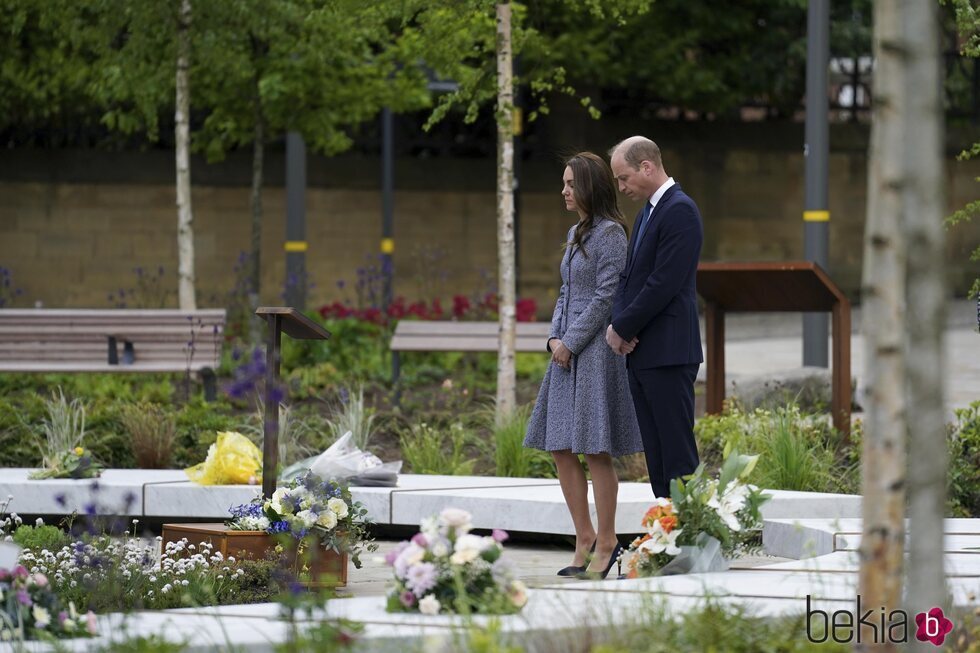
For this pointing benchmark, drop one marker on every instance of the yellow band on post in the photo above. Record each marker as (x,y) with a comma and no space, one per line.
(816,216)
(296,245)
(387,245)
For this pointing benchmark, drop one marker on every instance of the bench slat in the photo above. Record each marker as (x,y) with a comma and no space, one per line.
(74,340)
(433,327)
(54,367)
(421,335)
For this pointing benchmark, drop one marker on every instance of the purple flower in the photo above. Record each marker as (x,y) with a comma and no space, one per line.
(394,553)
(281,526)
(24,598)
(420,540)
(421,578)
(499,536)
(407,599)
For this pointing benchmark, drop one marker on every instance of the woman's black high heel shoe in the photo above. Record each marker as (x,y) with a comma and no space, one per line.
(601,575)
(572,570)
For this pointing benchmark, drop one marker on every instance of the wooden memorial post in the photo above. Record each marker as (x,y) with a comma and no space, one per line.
(760,287)
(296,325)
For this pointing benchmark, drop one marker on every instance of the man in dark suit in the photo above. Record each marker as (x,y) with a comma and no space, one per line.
(655,313)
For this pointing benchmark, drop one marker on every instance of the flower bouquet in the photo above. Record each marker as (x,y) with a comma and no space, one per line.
(74,463)
(446,569)
(310,516)
(706,521)
(29,609)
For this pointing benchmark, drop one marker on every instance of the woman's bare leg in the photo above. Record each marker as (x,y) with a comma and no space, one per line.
(605,490)
(575,487)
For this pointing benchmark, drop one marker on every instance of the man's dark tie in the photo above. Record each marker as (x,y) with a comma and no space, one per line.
(640,228)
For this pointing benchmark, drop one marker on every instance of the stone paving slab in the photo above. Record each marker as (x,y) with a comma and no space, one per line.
(517,504)
(40,497)
(806,538)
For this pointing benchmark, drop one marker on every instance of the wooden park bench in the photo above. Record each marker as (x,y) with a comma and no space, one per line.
(436,335)
(113,340)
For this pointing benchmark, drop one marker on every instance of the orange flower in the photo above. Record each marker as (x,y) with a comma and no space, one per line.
(668,523)
(660,513)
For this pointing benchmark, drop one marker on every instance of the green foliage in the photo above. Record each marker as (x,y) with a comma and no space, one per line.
(713,626)
(437,450)
(198,423)
(322,636)
(62,428)
(356,347)
(114,577)
(38,538)
(144,644)
(352,415)
(510,456)
(968,25)
(152,430)
(797,451)
(963,440)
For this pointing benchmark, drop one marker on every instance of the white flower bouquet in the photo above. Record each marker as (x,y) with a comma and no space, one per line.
(309,507)
(446,569)
(705,521)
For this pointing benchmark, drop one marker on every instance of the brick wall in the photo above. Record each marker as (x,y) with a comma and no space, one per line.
(73,225)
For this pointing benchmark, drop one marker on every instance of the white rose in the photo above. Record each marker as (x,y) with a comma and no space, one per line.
(440,548)
(327,519)
(42,617)
(457,518)
(306,518)
(280,494)
(338,506)
(429,605)
(464,556)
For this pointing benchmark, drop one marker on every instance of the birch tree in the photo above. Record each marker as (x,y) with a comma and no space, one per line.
(903,271)
(883,308)
(923,205)
(506,374)
(185,216)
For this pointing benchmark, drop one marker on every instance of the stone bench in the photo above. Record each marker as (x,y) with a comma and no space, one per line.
(531,505)
(432,335)
(112,340)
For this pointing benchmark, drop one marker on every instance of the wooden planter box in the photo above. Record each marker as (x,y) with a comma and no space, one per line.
(327,568)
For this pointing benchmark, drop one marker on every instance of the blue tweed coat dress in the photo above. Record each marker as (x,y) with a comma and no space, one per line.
(587,408)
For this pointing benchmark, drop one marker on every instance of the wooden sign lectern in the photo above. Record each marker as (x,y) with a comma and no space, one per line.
(281,320)
(794,286)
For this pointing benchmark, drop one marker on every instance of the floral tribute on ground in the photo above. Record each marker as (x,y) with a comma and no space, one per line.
(30,609)
(445,569)
(309,509)
(705,522)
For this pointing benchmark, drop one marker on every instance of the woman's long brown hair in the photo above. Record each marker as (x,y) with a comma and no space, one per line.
(595,194)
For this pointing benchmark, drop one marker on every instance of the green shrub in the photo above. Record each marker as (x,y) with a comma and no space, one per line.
(41,538)
(433,450)
(351,414)
(797,451)
(510,456)
(152,430)
(713,626)
(61,429)
(963,441)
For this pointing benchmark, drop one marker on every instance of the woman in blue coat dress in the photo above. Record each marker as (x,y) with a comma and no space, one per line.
(584,405)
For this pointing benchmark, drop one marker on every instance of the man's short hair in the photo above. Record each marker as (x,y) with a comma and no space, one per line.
(641,149)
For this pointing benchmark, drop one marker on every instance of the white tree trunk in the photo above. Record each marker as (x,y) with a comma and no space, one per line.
(185,216)
(506,376)
(922,212)
(883,296)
